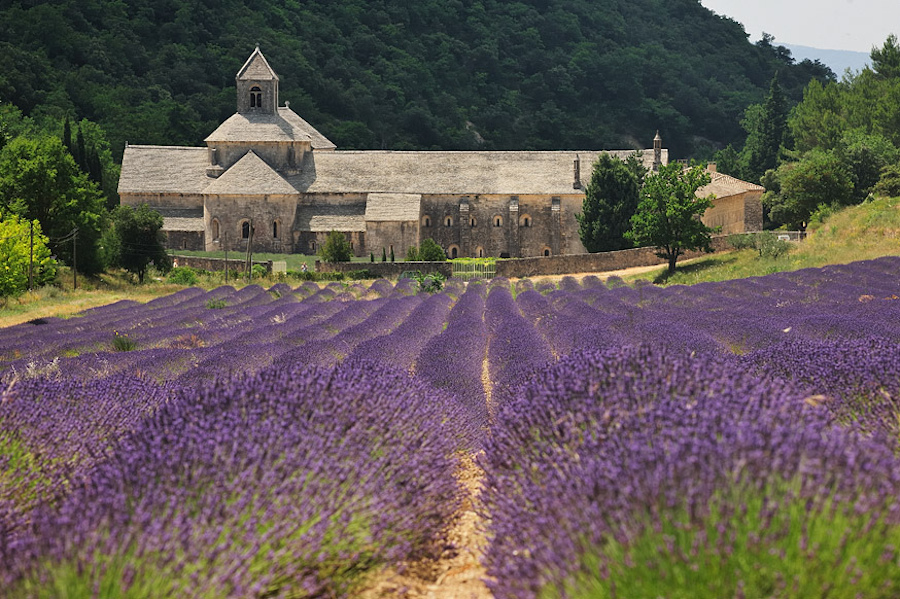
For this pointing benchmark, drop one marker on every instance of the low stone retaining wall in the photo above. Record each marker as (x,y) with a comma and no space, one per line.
(599,262)
(217,264)
(386,270)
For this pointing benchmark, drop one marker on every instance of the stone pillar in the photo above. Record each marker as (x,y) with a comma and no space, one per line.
(465,229)
(555,223)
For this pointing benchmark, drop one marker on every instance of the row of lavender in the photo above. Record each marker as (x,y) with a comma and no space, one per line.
(732,439)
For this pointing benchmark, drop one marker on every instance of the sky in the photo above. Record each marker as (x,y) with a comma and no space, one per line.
(855,25)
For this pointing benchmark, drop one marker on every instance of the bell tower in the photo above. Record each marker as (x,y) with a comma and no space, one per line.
(257,86)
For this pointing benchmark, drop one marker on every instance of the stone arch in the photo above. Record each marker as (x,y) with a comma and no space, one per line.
(473,222)
(547,252)
(497,220)
(453,251)
(525,220)
(448,221)
(276,229)
(479,252)
(214,226)
(245,229)
(426,221)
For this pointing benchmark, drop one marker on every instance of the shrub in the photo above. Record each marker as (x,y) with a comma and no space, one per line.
(356,275)
(216,304)
(336,248)
(182,275)
(769,246)
(742,241)
(258,271)
(430,251)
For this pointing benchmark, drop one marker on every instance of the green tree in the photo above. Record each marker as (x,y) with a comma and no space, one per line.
(610,199)
(865,155)
(336,248)
(889,183)
(766,129)
(430,251)
(138,239)
(886,60)
(820,177)
(18,254)
(39,180)
(669,211)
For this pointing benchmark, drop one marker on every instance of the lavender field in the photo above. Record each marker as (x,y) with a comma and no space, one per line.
(735,439)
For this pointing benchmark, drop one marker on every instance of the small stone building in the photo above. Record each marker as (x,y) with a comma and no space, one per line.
(268,176)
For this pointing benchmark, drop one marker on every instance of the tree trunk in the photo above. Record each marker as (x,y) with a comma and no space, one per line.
(672,258)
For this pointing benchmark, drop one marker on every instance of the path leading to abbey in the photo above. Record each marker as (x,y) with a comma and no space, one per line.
(458,574)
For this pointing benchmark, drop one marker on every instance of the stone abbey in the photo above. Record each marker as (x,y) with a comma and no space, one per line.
(268,176)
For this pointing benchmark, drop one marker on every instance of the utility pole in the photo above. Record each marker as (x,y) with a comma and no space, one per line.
(31,257)
(74,259)
(249,252)
(225,235)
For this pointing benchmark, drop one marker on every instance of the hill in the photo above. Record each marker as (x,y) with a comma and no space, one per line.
(434,74)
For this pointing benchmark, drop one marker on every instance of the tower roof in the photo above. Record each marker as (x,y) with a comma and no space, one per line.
(256,68)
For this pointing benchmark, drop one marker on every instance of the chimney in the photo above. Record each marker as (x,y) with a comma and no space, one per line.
(711,167)
(576,184)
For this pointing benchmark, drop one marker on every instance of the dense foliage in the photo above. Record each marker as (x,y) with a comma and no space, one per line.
(336,248)
(610,200)
(24,256)
(135,240)
(668,214)
(494,74)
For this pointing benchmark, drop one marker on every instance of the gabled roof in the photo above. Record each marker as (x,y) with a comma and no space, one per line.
(250,176)
(162,169)
(723,185)
(408,172)
(256,68)
(285,126)
(393,207)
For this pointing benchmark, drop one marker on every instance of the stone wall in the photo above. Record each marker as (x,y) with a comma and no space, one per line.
(386,270)
(529,267)
(217,264)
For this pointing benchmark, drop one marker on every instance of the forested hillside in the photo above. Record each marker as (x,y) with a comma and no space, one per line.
(452,74)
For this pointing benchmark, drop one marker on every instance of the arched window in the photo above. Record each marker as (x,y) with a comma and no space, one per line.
(255,97)
(454,252)
(498,221)
(312,246)
(525,220)
(426,221)
(215,229)
(245,230)
(479,252)
(275,229)
(546,252)
(473,222)
(448,221)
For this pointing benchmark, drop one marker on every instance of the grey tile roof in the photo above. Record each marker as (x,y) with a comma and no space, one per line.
(250,176)
(256,68)
(183,224)
(286,126)
(164,169)
(393,207)
(514,173)
(324,218)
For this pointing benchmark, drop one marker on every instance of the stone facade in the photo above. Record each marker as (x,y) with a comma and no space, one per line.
(268,175)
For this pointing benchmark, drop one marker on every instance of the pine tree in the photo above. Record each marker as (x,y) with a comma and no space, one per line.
(764,141)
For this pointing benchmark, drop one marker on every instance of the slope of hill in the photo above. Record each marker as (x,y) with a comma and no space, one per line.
(460,74)
(837,60)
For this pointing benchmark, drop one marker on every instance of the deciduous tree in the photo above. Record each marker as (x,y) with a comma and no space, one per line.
(668,215)
(336,248)
(22,248)
(138,235)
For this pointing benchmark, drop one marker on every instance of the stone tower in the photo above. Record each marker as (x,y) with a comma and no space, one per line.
(257,86)
(657,151)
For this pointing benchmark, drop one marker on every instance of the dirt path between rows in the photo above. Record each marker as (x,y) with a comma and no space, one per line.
(458,573)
